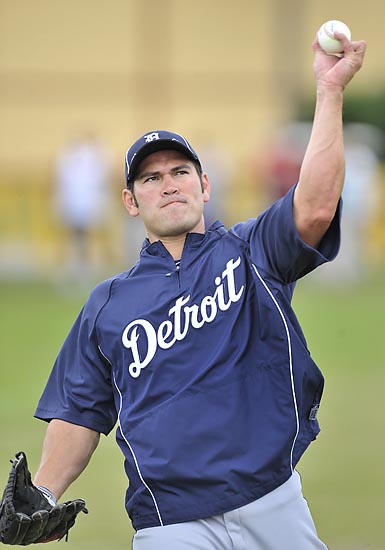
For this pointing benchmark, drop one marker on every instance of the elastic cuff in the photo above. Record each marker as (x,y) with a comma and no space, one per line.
(48,495)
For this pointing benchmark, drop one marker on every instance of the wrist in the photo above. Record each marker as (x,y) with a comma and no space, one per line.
(47,494)
(327,89)
(329,99)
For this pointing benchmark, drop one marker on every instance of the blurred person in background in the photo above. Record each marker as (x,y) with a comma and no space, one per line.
(220,165)
(280,165)
(82,201)
(362,200)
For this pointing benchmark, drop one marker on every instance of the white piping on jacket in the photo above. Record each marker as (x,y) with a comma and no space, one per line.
(130,447)
(290,362)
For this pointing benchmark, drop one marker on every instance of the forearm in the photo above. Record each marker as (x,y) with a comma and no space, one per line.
(323,168)
(67,450)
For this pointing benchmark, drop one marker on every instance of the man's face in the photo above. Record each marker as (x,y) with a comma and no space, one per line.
(169,195)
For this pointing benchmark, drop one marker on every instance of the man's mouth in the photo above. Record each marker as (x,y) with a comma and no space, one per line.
(174,201)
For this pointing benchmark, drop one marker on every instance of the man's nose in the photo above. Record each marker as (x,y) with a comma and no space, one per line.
(169,187)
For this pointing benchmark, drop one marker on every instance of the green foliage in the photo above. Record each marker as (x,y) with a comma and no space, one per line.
(366,107)
(343,474)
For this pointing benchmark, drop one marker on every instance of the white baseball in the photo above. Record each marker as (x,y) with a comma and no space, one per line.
(326,36)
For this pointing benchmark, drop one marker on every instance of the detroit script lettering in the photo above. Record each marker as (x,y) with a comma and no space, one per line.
(181,316)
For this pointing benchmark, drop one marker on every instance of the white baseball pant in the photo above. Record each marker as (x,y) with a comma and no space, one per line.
(281,520)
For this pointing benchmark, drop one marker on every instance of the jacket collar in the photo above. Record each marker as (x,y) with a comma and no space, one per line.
(193,240)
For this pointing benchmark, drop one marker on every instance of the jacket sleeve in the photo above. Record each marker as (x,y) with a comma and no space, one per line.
(79,388)
(276,247)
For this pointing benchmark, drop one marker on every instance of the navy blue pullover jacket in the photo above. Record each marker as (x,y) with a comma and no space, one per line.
(204,368)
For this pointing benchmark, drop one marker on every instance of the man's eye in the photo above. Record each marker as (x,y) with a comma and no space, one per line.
(182,172)
(150,178)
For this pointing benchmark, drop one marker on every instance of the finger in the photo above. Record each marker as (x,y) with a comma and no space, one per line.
(56,516)
(315,45)
(341,36)
(359,46)
(355,53)
(350,46)
(15,532)
(21,467)
(62,518)
(38,522)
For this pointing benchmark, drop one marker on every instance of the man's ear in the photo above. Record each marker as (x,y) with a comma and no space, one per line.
(205,187)
(130,202)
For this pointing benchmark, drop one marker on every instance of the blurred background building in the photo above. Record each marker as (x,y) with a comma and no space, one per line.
(227,75)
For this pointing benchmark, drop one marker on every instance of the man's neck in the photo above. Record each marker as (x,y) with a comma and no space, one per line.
(174,246)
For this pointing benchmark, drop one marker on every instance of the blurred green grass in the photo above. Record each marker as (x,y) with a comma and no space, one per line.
(342,472)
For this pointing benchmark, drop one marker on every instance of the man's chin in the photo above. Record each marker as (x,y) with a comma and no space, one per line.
(180,228)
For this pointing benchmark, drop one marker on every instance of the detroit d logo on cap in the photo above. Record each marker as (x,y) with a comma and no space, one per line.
(151,137)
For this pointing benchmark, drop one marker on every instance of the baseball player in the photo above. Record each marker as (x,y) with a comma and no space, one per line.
(197,356)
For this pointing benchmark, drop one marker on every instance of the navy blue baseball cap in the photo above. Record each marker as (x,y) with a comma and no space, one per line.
(152,142)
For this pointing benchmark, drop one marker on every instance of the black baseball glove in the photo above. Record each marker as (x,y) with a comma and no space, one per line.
(26,515)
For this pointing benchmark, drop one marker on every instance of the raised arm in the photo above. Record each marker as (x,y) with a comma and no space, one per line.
(67,450)
(323,169)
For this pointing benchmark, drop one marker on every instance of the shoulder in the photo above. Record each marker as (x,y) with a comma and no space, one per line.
(269,224)
(101,293)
